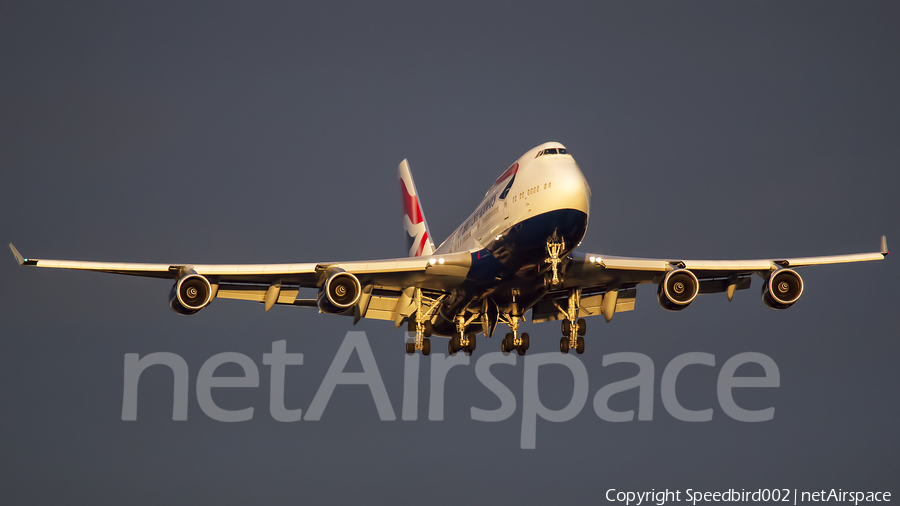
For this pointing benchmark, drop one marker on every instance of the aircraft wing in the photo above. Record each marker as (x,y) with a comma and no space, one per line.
(597,274)
(381,280)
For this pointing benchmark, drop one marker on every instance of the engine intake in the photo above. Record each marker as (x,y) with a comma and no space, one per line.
(782,289)
(190,294)
(339,293)
(678,289)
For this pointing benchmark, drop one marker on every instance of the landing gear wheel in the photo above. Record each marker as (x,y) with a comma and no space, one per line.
(454,344)
(426,347)
(450,348)
(582,327)
(564,344)
(471,346)
(579,347)
(428,328)
(503,347)
(520,351)
(508,342)
(526,340)
(410,348)
(566,327)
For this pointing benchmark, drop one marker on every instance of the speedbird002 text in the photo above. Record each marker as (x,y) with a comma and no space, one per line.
(513,254)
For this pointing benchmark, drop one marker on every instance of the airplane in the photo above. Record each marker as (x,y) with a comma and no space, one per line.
(514,254)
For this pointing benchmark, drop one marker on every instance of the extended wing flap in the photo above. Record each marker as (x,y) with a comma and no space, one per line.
(550,308)
(720,285)
(381,308)
(255,293)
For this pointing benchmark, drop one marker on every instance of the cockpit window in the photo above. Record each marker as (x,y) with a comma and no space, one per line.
(552,151)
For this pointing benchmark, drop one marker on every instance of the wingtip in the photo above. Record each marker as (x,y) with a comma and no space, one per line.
(16,254)
(884,248)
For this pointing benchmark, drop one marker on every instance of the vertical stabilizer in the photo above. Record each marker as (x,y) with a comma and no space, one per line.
(418,237)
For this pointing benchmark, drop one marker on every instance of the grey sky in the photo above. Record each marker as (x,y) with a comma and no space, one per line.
(236,132)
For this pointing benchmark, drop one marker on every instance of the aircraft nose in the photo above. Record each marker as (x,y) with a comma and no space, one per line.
(573,191)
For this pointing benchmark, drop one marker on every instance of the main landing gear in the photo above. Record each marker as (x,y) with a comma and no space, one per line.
(513,341)
(460,339)
(420,323)
(573,328)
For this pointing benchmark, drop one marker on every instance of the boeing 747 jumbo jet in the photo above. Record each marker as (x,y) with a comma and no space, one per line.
(513,254)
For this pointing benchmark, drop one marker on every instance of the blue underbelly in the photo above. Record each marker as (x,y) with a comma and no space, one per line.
(523,247)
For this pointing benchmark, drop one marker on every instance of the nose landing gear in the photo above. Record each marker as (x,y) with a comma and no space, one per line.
(555,246)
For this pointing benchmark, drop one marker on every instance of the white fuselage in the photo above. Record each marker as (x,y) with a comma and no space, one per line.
(542,183)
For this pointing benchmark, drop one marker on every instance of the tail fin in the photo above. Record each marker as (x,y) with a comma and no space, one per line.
(418,237)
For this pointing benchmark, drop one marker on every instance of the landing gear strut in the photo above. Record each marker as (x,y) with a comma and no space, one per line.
(555,246)
(420,323)
(461,340)
(573,328)
(513,341)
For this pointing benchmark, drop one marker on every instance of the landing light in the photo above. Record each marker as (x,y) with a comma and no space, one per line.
(441,261)
(592,259)
(498,237)
(431,261)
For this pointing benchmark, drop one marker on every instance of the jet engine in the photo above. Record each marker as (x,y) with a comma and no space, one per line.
(677,290)
(782,289)
(190,294)
(339,293)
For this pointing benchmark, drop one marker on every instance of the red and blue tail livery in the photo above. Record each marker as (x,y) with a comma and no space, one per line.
(418,240)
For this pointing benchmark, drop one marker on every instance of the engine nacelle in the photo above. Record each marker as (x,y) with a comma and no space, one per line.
(339,293)
(782,289)
(678,289)
(190,294)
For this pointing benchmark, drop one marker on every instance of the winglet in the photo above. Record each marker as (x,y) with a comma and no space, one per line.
(17,254)
(884,250)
